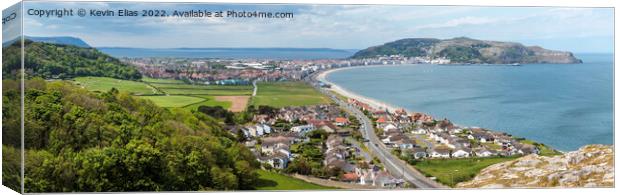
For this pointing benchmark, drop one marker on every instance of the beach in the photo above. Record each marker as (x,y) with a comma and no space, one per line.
(376,104)
(502,98)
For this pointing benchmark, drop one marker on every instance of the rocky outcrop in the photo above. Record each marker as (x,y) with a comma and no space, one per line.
(590,166)
(467,50)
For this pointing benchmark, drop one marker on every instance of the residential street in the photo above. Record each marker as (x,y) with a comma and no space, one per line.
(393,164)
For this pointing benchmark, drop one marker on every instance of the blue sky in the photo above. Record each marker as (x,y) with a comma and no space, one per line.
(333,26)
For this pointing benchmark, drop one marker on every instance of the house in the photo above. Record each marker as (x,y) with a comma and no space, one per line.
(341,121)
(389,127)
(350,177)
(272,144)
(381,120)
(302,129)
(328,127)
(419,131)
(440,153)
(418,153)
(276,160)
(385,180)
(485,153)
(257,130)
(528,149)
(463,142)
(405,143)
(461,153)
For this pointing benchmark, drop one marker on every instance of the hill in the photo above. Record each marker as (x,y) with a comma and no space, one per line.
(60,41)
(590,166)
(466,50)
(58,61)
(81,141)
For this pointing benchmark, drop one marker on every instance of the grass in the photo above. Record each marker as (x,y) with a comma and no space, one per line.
(274,181)
(208,101)
(453,171)
(179,94)
(155,80)
(173,101)
(544,149)
(282,94)
(104,84)
(213,90)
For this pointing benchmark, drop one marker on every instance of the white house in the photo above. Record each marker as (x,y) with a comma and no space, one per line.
(484,153)
(389,127)
(419,131)
(460,153)
(440,153)
(303,128)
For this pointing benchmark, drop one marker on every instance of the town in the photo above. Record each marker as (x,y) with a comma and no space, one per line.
(211,71)
(325,141)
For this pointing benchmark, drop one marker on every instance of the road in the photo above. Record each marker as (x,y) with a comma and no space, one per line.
(393,164)
(255,88)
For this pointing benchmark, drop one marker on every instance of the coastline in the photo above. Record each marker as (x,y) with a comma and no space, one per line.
(374,103)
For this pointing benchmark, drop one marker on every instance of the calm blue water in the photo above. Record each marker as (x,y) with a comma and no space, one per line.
(236,53)
(565,106)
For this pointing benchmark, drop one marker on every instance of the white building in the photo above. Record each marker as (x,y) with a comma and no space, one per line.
(303,128)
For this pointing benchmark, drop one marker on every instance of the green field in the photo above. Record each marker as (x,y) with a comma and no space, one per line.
(453,171)
(274,181)
(104,84)
(283,94)
(208,101)
(154,80)
(214,90)
(173,101)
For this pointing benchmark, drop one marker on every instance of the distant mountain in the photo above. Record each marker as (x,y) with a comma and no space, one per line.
(61,61)
(466,50)
(54,40)
(236,53)
(61,40)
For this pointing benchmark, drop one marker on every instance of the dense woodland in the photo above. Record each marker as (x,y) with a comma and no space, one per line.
(78,140)
(55,61)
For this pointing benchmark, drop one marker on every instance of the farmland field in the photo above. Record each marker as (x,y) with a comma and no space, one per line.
(208,101)
(154,80)
(173,101)
(275,181)
(288,94)
(104,84)
(174,93)
(188,89)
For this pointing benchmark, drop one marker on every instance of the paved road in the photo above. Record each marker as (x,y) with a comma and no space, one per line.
(394,165)
(255,88)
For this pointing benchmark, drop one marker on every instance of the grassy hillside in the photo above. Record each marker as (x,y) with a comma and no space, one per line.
(103,84)
(51,61)
(77,140)
(268,180)
(453,171)
(281,94)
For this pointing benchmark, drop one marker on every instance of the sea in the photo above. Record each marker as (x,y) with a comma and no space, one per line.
(565,106)
(232,53)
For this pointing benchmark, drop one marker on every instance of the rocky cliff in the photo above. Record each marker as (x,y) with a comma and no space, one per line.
(590,166)
(466,50)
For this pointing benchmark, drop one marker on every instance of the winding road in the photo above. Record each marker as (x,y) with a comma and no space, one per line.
(393,164)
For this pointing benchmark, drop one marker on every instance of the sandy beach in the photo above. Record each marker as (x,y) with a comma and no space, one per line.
(343,91)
